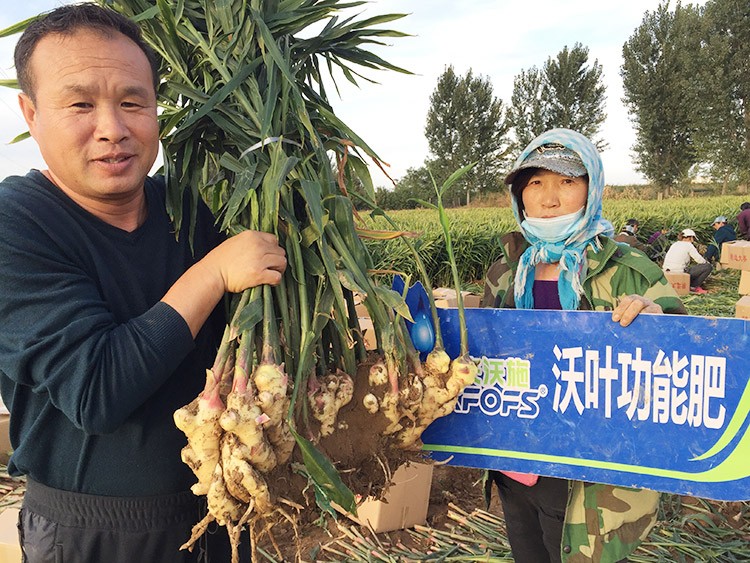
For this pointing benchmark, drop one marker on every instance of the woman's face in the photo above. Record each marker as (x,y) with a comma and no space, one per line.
(549,194)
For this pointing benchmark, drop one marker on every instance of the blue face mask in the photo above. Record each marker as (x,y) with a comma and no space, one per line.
(553,229)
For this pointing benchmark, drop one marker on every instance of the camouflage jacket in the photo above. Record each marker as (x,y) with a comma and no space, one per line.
(603,523)
(613,272)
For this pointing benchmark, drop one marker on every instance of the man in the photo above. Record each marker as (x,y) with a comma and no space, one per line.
(109,321)
(722,233)
(628,235)
(743,220)
(678,259)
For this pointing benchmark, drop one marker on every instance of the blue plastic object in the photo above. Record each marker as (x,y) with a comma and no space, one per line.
(422,331)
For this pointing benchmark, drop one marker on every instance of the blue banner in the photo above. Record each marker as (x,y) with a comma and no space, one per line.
(662,404)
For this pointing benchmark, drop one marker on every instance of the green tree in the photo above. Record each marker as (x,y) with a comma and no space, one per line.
(415,183)
(574,94)
(527,111)
(723,130)
(566,92)
(466,123)
(658,72)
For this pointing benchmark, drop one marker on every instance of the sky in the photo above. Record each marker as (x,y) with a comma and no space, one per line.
(496,39)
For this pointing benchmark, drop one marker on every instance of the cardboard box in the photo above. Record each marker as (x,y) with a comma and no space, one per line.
(445,297)
(736,254)
(680,282)
(368,333)
(744,288)
(5,449)
(359,304)
(742,308)
(724,254)
(10,548)
(405,503)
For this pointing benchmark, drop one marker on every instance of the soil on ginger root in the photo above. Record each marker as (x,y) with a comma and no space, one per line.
(364,457)
(365,461)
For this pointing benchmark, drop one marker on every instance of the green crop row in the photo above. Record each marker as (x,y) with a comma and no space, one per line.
(477,232)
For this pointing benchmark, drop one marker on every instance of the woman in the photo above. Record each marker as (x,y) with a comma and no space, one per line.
(563,258)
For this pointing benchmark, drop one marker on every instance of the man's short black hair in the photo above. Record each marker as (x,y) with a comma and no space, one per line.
(632,222)
(66,20)
(745,205)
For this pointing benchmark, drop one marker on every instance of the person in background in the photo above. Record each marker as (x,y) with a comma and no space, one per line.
(656,235)
(722,233)
(678,259)
(628,235)
(110,320)
(657,244)
(743,221)
(563,258)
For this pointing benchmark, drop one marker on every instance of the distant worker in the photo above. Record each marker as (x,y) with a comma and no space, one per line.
(722,233)
(678,260)
(656,235)
(657,244)
(627,235)
(743,221)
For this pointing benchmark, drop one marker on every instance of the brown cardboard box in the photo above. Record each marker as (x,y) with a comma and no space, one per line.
(445,297)
(742,308)
(5,448)
(368,333)
(405,503)
(680,282)
(361,310)
(724,256)
(359,304)
(10,549)
(736,254)
(744,288)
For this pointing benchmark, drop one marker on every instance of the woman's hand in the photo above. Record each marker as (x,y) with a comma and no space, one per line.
(631,306)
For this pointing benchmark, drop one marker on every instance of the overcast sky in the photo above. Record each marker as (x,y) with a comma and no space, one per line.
(495,38)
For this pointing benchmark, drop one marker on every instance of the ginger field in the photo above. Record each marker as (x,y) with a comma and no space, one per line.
(477,232)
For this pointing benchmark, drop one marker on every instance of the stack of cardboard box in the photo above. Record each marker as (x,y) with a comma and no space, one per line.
(736,254)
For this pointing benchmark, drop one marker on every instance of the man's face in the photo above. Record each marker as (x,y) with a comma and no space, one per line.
(94,115)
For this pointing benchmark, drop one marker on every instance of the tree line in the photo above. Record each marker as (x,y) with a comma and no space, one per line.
(685,78)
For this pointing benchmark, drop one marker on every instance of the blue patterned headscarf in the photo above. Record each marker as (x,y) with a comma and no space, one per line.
(571,252)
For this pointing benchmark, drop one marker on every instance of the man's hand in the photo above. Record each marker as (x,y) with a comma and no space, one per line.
(631,306)
(248,259)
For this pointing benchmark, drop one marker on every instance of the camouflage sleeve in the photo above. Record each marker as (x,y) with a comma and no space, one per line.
(498,280)
(496,283)
(633,273)
(662,293)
